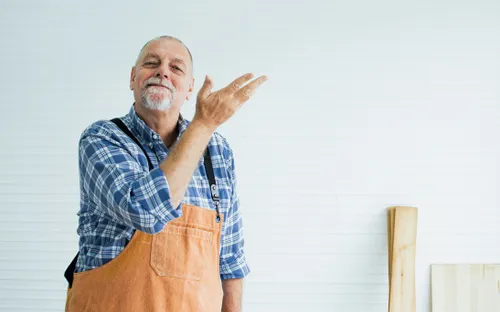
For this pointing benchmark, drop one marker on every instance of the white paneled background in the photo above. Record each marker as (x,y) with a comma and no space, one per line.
(368,104)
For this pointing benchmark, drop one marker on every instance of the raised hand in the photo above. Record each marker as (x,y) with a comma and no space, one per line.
(215,108)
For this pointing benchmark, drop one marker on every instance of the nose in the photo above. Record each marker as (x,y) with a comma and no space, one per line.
(160,75)
(163,72)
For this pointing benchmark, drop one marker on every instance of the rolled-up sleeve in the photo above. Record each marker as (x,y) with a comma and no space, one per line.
(116,182)
(233,263)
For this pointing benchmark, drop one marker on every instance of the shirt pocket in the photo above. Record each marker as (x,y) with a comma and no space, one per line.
(180,251)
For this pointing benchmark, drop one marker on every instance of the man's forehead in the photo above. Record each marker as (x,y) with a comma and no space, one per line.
(160,56)
(164,46)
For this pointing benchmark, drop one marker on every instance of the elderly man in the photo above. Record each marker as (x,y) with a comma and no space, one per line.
(159,221)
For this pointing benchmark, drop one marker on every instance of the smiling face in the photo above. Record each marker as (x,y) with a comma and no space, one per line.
(162,77)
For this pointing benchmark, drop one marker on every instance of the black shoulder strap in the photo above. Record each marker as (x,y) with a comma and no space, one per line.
(123,127)
(214,191)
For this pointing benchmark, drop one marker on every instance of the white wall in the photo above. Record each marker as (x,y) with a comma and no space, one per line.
(369,104)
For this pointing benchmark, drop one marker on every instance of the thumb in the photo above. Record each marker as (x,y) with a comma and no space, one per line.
(205,88)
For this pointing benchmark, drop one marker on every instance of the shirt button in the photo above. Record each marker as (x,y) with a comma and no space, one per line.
(150,145)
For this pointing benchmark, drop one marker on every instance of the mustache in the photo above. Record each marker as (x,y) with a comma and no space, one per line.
(158,81)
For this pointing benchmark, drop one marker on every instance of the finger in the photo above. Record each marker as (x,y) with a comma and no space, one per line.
(238,82)
(205,88)
(246,92)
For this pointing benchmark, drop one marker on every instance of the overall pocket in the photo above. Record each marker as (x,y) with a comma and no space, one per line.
(180,251)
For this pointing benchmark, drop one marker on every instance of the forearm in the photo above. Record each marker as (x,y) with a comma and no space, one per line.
(122,189)
(231,301)
(182,161)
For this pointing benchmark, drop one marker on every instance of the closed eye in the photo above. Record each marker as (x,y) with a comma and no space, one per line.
(178,68)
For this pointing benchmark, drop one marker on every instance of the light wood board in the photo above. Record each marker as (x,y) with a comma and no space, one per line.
(465,287)
(402,238)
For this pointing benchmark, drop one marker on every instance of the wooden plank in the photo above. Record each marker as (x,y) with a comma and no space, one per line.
(390,241)
(402,295)
(465,287)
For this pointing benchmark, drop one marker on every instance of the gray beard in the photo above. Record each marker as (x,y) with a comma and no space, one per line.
(156,105)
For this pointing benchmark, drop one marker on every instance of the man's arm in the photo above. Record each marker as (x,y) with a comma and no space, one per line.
(233,264)
(231,301)
(113,179)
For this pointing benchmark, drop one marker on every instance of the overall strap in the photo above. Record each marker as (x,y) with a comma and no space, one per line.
(123,127)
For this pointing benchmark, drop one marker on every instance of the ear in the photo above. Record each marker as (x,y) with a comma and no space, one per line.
(190,91)
(132,78)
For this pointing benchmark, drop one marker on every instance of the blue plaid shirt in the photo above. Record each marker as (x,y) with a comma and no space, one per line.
(118,193)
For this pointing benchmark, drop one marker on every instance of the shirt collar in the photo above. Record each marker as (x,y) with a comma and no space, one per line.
(148,134)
